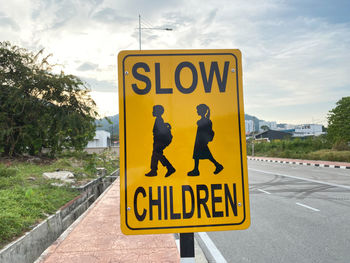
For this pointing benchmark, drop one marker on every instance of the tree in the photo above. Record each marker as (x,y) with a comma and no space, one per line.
(265,128)
(40,109)
(339,123)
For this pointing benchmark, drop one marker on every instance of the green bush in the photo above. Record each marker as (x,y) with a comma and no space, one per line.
(79,155)
(22,207)
(91,164)
(7,172)
(26,197)
(318,148)
(63,163)
(341,145)
(330,155)
(289,148)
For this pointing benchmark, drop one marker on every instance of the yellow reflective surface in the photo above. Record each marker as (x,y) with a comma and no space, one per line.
(206,202)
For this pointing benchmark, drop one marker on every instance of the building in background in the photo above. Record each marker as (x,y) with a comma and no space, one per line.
(249,126)
(270,135)
(102,139)
(308,130)
(271,124)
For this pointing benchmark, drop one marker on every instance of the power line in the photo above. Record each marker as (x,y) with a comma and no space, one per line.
(147,22)
(148,26)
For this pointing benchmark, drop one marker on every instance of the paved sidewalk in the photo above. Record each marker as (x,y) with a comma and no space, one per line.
(96,237)
(342,165)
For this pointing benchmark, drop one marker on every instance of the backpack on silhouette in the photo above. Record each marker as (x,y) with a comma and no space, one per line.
(165,134)
(211,135)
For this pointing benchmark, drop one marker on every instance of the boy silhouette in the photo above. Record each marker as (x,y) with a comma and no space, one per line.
(160,142)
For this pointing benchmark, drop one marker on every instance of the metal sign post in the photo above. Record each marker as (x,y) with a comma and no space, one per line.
(187,247)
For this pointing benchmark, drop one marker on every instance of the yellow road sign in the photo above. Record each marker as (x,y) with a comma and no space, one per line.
(183,161)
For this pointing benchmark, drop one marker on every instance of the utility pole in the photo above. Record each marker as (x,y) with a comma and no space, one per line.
(152,28)
(140,31)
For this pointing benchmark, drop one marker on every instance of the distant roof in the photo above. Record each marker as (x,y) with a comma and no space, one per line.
(273,135)
(275,132)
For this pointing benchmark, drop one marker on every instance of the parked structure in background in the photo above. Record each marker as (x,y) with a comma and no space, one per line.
(286,126)
(271,124)
(102,139)
(270,135)
(254,125)
(249,126)
(308,130)
(285,131)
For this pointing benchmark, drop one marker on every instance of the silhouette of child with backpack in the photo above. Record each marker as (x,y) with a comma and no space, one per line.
(161,139)
(205,134)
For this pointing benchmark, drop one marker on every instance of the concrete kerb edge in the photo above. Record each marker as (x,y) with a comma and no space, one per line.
(12,245)
(209,254)
(266,159)
(47,232)
(63,236)
(199,255)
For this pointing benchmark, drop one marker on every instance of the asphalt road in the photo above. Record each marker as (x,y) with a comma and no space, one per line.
(293,219)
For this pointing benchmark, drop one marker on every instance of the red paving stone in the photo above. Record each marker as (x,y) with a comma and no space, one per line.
(97,237)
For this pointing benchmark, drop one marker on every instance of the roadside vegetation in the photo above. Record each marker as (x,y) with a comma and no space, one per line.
(27,198)
(46,120)
(318,148)
(334,146)
(39,108)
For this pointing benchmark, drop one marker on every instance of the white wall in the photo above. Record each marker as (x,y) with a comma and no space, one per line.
(249,126)
(101,139)
(271,124)
(309,129)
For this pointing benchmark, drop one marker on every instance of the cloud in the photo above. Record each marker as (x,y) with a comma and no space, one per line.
(100,85)
(310,66)
(151,9)
(87,66)
(333,12)
(7,21)
(51,15)
(106,102)
(109,15)
(295,54)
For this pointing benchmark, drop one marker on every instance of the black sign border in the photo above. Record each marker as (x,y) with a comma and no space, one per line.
(240,139)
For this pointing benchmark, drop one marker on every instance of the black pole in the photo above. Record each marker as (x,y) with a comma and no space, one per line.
(186,245)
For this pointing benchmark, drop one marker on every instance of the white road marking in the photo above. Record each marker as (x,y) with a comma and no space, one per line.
(300,178)
(177,241)
(309,207)
(266,192)
(215,254)
(187,260)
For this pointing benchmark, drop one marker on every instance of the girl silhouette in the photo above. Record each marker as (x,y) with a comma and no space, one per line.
(204,135)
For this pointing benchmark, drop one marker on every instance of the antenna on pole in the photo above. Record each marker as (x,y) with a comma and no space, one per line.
(140,31)
(149,26)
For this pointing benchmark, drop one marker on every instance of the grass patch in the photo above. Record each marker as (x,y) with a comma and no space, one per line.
(311,148)
(330,155)
(26,197)
(23,207)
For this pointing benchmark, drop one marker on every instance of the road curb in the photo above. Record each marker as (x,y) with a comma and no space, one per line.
(33,243)
(209,249)
(301,162)
(48,251)
(199,254)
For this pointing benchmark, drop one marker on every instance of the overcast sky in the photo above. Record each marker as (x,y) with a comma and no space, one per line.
(296,53)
